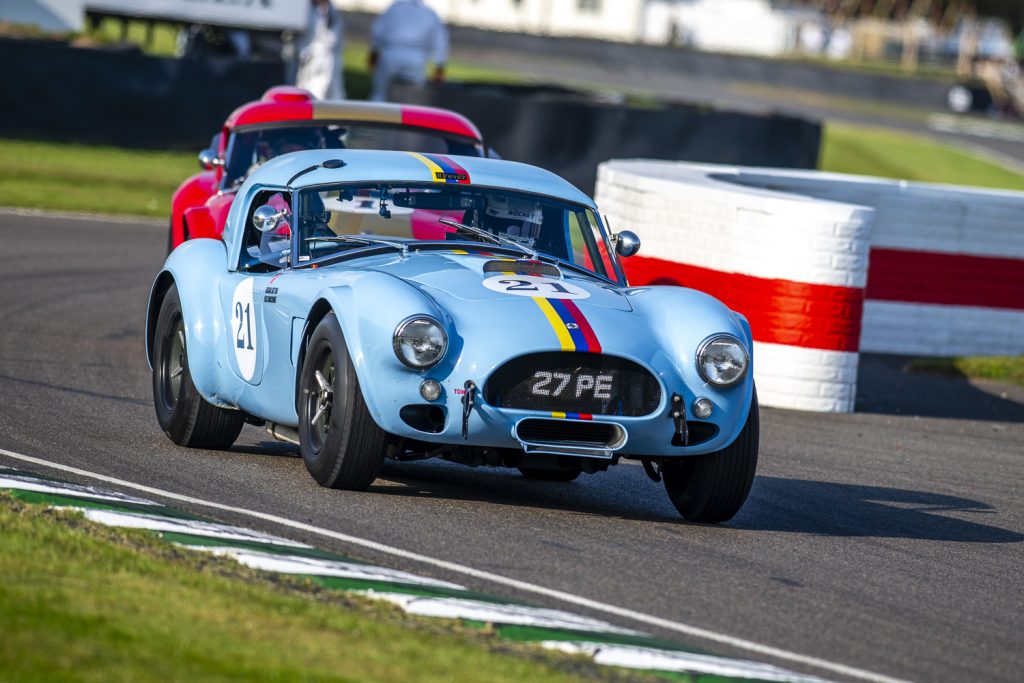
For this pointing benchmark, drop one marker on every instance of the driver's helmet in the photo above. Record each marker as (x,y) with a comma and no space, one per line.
(285,140)
(518,219)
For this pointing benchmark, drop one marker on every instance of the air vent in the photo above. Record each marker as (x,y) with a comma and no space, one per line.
(571,433)
(522,267)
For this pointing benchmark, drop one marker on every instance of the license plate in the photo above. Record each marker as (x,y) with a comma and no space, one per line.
(584,386)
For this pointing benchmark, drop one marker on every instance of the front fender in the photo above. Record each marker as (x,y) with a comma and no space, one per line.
(195,268)
(368,321)
(680,319)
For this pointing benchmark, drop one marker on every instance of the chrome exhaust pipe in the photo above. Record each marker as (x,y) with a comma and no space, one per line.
(283,433)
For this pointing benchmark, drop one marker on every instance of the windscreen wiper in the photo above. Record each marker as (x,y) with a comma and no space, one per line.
(353,239)
(494,239)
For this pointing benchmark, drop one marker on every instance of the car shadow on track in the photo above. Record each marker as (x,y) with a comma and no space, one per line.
(624,492)
(831,509)
(883,386)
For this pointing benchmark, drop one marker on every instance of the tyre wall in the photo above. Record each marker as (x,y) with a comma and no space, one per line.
(825,265)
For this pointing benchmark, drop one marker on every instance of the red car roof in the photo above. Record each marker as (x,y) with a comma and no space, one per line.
(286,103)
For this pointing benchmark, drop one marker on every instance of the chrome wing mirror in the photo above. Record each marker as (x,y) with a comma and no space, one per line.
(626,243)
(208,159)
(267,218)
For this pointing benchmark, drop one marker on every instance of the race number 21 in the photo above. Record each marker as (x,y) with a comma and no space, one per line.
(535,286)
(243,314)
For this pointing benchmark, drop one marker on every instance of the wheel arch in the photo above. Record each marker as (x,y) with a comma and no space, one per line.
(319,310)
(161,286)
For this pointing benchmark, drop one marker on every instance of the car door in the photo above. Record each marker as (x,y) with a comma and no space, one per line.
(246,292)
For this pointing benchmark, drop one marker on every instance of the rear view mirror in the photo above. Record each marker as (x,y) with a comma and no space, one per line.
(266,218)
(431,201)
(208,159)
(626,243)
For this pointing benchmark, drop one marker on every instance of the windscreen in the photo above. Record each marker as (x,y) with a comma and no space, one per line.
(247,149)
(336,219)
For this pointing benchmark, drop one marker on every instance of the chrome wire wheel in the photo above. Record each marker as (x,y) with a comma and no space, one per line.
(341,444)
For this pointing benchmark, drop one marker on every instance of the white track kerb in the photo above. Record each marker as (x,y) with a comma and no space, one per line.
(552,628)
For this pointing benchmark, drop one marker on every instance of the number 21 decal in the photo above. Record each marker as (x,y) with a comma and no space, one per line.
(243,313)
(535,286)
(243,336)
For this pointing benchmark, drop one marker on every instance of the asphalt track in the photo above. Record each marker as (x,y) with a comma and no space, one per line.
(889,540)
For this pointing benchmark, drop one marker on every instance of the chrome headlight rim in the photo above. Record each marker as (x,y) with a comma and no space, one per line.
(711,340)
(396,341)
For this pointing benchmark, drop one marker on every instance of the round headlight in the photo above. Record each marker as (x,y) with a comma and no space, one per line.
(420,342)
(722,360)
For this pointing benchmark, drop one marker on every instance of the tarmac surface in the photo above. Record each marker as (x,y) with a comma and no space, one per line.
(889,540)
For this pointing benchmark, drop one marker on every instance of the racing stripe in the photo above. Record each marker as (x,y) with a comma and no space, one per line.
(436,172)
(569,324)
(564,338)
(455,173)
(590,338)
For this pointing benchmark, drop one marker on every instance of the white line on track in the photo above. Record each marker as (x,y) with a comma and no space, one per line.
(526,587)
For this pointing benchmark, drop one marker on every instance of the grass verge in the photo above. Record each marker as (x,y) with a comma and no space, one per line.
(894,154)
(83,602)
(1008,369)
(65,177)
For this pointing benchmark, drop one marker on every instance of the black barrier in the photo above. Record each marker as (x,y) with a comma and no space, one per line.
(569,134)
(52,91)
(56,92)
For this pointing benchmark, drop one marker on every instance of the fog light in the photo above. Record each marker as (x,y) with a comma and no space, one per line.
(430,390)
(702,407)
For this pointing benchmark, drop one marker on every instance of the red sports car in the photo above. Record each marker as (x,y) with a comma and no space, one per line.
(288,119)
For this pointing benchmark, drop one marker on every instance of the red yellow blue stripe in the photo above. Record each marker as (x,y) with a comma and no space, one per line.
(572,416)
(442,169)
(570,325)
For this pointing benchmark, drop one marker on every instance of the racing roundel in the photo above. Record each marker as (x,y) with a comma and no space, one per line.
(243,325)
(535,286)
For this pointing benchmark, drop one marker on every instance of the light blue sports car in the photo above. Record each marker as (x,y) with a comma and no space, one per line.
(368,305)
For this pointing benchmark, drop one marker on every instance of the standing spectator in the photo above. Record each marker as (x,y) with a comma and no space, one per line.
(403,41)
(319,47)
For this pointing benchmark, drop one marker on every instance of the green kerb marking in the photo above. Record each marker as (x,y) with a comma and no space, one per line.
(66,501)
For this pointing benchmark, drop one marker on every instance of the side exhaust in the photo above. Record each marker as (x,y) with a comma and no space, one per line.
(283,433)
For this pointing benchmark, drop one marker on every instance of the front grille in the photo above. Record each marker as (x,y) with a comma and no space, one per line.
(523,267)
(570,433)
(574,382)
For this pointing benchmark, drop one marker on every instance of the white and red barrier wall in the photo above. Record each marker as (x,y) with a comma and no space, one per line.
(824,265)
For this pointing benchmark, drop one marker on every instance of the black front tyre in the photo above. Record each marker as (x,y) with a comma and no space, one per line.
(341,444)
(713,487)
(184,415)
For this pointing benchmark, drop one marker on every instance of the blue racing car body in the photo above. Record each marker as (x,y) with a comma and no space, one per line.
(368,304)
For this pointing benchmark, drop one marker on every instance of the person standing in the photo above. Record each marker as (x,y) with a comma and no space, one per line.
(319,48)
(404,39)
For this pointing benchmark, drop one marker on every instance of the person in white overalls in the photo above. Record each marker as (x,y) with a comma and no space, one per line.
(404,39)
(319,48)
